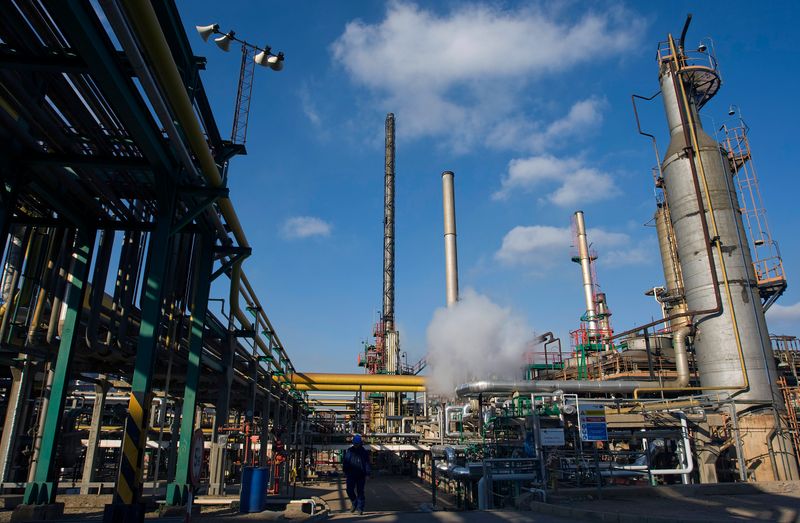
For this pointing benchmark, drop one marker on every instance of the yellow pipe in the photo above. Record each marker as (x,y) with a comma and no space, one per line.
(357,379)
(690,121)
(151,37)
(357,388)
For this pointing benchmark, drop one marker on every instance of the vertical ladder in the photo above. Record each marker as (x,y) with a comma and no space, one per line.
(767,261)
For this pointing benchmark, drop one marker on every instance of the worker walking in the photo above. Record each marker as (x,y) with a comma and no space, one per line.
(356,469)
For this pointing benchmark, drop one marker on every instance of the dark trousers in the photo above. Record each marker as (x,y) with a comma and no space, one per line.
(355,490)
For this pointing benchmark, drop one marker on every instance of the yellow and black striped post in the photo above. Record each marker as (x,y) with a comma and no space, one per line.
(130,467)
(126,505)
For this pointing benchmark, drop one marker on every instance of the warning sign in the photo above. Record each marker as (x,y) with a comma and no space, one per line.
(592,422)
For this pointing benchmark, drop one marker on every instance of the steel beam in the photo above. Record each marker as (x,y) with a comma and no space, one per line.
(89,39)
(42,490)
(178,491)
(126,505)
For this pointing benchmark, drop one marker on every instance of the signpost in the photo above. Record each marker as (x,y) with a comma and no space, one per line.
(196,457)
(592,422)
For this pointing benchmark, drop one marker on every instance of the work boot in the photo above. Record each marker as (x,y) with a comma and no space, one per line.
(353,510)
(360,512)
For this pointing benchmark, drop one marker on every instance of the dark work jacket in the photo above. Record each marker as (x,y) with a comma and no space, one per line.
(356,462)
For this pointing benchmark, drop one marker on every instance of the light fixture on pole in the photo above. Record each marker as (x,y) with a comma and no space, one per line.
(251,55)
(224,41)
(207,30)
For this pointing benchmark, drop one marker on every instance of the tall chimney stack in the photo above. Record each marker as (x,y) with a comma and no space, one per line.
(450,253)
(388,228)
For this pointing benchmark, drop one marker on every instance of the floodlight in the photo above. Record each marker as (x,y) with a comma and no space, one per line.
(276,62)
(702,48)
(731,110)
(224,41)
(261,57)
(207,30)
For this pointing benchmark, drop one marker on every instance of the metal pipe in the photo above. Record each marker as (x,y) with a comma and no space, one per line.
(569,386)
(450,251)
(357,379)
(586,270)
(146,27)
(688,468)
(355,387)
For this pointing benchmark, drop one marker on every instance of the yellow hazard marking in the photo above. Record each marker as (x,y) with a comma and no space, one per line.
(124,490)
(135,410)
(131,453)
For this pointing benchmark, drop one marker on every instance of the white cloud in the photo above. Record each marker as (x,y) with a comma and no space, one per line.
(784,313)
(305,227)
(544,246)
(574,182)
(462,74)
(309,109)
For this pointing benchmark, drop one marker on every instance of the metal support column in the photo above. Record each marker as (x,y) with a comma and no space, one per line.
(100,391)
(126,505)
(178,491)
(216,485)
(42,490)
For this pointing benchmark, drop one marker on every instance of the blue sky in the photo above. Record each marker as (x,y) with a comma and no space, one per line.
(529,104)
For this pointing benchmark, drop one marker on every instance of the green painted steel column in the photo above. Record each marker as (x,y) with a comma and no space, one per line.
(42,490)
(126,505)
(178,491)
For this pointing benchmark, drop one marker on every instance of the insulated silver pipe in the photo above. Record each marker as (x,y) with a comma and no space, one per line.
(681,356)
(569,386)
(450,253)
(586,269)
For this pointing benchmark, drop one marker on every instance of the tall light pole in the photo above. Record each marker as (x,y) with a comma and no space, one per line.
(251,55)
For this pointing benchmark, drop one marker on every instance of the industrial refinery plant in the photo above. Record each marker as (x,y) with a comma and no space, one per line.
(141,370)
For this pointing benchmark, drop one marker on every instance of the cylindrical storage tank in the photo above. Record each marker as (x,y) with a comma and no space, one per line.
(714,341)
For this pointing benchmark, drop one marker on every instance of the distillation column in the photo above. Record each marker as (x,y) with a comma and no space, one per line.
(714,258)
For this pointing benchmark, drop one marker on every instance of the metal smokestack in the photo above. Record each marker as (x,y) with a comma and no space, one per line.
(388,228)
(586,270)
(450,253)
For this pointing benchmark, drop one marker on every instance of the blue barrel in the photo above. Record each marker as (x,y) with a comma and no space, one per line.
(253,495)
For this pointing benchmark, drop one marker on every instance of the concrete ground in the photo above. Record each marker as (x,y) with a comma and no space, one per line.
(401,499)
(769,501)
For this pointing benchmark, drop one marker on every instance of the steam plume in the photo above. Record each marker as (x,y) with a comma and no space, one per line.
(474,339)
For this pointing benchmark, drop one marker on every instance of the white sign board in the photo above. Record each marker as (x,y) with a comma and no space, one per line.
(552,437)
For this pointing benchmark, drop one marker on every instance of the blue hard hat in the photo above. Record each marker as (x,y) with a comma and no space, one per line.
(357,439)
